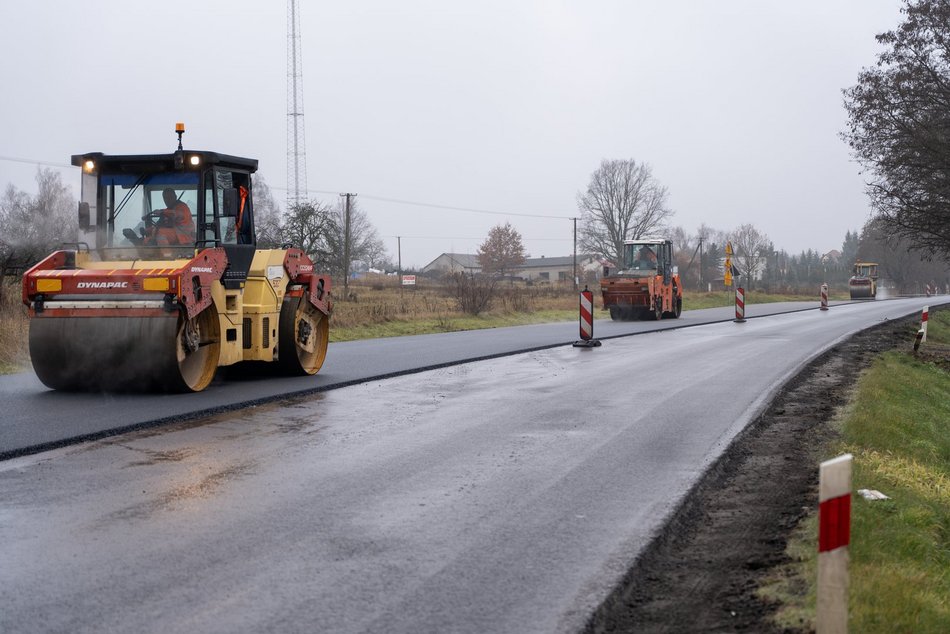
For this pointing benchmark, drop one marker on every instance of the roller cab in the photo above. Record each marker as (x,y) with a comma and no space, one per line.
(166,283)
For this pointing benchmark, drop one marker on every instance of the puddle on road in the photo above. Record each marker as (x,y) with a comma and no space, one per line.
(294,414)
(201,487)
(154,457)
(178,467)
(186,466)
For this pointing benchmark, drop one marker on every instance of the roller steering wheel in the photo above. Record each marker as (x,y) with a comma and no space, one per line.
(155,217)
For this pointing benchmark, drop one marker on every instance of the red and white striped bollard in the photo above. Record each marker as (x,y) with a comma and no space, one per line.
(834,537)
(740,305)
(824,297)
(587,321)
(924,318)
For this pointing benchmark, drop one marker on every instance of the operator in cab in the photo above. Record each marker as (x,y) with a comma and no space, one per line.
(174,226)
(646,258)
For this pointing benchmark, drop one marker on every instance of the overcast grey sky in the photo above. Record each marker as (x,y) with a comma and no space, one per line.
(504,106)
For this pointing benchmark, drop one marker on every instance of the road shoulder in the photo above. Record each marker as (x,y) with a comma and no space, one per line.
(701,573)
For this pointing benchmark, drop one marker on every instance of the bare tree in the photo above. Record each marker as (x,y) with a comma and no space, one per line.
(899,114)
(502,251)
(365,244)
(898,259)
(311,226)
(622,202)
(752,249)
(31,227)
(682,241)
(16,250)
(686,255)
(268,223)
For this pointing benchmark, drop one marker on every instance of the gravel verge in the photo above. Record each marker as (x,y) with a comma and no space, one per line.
(701,572)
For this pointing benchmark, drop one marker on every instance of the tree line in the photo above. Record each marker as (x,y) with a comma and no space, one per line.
(624,201)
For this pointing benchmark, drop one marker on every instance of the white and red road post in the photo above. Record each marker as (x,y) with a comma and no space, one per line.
(740,305)
(834,537)
(824,297)
(924,318)
(587,321)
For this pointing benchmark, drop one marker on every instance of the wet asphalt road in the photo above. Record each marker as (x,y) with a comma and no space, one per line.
(507,495)
(35,418)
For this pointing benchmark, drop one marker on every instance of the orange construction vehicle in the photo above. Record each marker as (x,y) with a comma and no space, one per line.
(167,284)
(647,285)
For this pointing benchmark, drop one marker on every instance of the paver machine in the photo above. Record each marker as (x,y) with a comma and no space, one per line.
(166,283)
(863,282)
(647,285)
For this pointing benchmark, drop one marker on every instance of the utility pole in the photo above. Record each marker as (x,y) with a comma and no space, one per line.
(346,245)
(700,263)
(399,260)
(575,253)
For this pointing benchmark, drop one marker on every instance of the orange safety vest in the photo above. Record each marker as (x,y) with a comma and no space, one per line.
(239,220)
(242,190)
(181,230)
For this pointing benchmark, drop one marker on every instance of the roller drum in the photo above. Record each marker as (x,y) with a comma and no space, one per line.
(303,337)
(119,354)
(861,291)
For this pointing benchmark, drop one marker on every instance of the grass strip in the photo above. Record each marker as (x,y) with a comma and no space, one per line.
(897,426)
(455,321)
(448,323)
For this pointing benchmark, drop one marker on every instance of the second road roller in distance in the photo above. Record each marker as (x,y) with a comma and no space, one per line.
(863,282)
(166,283)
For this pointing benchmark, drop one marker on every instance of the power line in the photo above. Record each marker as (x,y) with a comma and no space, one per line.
(468,209)
(397,201)
(413,203)
(16,159)
(474,238)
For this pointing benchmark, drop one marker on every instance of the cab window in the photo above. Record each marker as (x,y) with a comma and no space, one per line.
(237,229)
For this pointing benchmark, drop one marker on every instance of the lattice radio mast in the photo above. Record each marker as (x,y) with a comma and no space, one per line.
(296,139)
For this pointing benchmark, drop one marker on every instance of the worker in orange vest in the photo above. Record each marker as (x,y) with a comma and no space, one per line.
(646,258)
(175,225)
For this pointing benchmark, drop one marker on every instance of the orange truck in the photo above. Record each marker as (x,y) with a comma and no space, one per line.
(647,284)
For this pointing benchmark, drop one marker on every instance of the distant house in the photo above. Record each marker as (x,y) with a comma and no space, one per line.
(533,269)
(559,269)
(453,263)
(832,257)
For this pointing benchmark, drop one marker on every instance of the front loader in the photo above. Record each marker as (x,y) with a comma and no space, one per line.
(163,288)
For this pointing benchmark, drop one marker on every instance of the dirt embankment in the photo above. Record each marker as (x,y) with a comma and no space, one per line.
(702,573)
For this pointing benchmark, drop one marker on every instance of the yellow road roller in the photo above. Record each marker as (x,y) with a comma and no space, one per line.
(166,283)
(863,282)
